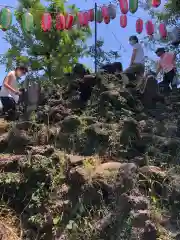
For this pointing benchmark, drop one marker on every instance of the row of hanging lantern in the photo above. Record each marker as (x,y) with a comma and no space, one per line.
(125,7)
(150,29)
(149,26)
(62,21)
(105,13)
(132,5)
(66,21)
(6,20)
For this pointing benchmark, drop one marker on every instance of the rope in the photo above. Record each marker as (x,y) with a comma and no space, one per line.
(117,40)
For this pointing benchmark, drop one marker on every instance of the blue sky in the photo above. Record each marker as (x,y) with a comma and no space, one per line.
(114,36)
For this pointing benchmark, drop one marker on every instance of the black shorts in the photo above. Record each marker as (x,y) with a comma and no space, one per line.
(168,77)
(9,107)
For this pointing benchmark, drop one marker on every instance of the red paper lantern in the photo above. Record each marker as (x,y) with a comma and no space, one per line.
(156,3)
(107,20)
(60,22)
(91,15)
(105,12)
(123,21)
(163,30)
(149,28)
(85,19)
(139,26)
(69,19)
(124,6)
(80,18)
(46,22)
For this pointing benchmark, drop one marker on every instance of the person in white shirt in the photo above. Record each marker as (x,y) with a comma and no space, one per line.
(10,93)
(137,64)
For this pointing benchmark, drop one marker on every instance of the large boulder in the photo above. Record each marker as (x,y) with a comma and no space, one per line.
(150,93)
(150,231)
(4,125)
(80,70)
(112,99)
(130,132)
(97,133)
(18,140)
(58,113)
(86,87)
(139,218)
(31,99)
(112,68)
(3,142)
(70,123)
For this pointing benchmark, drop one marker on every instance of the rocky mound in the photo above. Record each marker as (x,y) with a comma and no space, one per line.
(94,163)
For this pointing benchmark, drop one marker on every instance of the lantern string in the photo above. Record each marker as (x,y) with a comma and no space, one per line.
(118,41)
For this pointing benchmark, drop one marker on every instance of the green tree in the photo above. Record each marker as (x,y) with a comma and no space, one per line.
(48,54)
(102,55)
(170,13)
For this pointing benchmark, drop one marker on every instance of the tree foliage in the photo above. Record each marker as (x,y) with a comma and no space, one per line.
(170,13)
(48,54)
(102,55)
(170,16)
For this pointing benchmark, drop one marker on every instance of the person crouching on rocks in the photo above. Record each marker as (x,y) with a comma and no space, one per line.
(137,64)
(10,93)
(166,64)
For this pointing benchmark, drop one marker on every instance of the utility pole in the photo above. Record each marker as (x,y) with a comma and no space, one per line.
(95,37)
